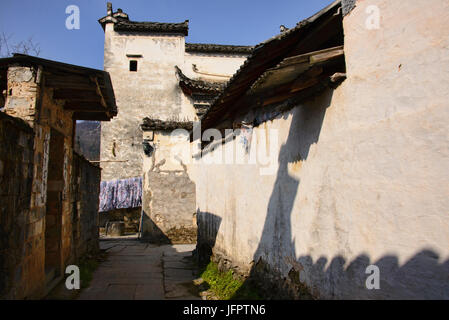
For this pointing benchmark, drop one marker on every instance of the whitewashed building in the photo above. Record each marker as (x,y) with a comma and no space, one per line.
(158,76)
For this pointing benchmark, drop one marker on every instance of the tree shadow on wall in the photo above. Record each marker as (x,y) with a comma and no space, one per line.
(421,277)
(276,241)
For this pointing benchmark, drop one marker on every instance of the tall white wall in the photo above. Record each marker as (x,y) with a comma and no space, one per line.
(151,91)
(362,176)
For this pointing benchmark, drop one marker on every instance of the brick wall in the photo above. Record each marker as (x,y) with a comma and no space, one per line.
(20,228)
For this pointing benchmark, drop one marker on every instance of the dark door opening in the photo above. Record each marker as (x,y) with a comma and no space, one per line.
(53,218)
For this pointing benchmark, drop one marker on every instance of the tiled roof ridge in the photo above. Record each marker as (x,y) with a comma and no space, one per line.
(149,124)
(218,48)
(149,26)
(303,24)
(200,85)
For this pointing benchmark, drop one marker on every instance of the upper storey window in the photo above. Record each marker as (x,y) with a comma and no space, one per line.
(133,65)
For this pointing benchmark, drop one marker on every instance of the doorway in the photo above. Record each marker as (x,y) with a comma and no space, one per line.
(53,218)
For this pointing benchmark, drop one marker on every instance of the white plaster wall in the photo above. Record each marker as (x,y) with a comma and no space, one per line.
(214,64)
(152,91)
(171,151)
(362,176)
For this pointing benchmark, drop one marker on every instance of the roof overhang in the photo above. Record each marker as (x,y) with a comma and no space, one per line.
(191,86)
(300,71)
(87,92)
(311,34)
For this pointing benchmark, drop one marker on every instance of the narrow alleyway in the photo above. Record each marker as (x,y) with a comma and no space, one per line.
(135,270)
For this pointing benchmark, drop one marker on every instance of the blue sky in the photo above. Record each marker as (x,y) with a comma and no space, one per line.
(211,21)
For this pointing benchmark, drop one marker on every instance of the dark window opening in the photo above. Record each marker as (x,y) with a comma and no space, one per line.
(133,65)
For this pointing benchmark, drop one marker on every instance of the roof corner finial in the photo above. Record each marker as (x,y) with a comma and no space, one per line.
(109,8)
(283,28)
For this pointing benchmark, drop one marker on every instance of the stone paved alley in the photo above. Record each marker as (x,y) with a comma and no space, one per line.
(134,270)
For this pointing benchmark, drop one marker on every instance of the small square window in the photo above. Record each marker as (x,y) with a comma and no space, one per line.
(133,65)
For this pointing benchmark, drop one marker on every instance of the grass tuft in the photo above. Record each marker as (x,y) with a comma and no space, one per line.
(225,286)
(87,267)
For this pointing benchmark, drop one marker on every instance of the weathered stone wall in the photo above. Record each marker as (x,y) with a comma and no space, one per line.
(23,94)
(53,117)
(170,207)
(361,176)
(86,187)
(21,241)
(39,213)
(168,199)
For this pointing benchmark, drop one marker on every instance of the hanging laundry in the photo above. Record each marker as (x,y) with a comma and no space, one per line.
(120,194)
(246,134)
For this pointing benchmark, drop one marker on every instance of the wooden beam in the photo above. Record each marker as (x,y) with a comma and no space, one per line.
(325,56)
(85,106)
(52,83)
(69,82)
(69,94)
(100,94)
(312,57)
(87,99)
(301,85)
(99,116)
(326,30)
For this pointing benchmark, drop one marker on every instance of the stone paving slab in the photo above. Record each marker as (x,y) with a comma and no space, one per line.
(153,291)
(132,278)
(177,264)
(179,274)
(120,292)
(116,248)
(179,290)
(134,270)
(107,246)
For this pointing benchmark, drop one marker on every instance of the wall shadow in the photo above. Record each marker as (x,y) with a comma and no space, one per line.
(421,277)
(276,240)
(152,233)
(208,225)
